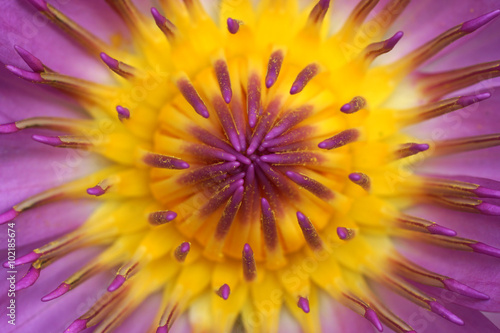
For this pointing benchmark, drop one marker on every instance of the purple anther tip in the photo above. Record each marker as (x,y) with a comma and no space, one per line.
(437,229)
(233,25)
(468,100)
(465,290)
(110,62)
(162,329)
(159,19)
(296,178)
(123,113)
(488,209)
(8,128)
(224,291)
(28,258)
(29,279)
(391,42)
(301,218)
(48,140)
(485,249)
(180,164)
(346,108)
(8,216)
(39,4)
(296,88)
(484,192)
(270,82)
(478,22)
(439,309)
(355,177)
(33,62)
(373,318)
(116,283)
(161,217)
(77,326)
(247,249)
(171,216)
(182,251)
(421,146)
(96,191)
(184,247)
(30,76)
(58,292)
(342,232)
(303,304)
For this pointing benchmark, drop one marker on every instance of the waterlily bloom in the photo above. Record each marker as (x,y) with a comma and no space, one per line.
(250,166)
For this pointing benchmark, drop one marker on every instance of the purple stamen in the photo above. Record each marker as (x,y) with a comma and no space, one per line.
(227,122)
(319,11)
(274,68)
(164,162)
(182,251)
(341,139)
(303,78)
(294,136)
(220,197)
(437,229)
(229,214)
(468,100)
(249,266)
(123,113)
(253,99)
(289,120)
(484,192)
(40,5)
(77,326)
(112,63)
(488,209)
(485,249)
(58,292)
(224,291)
(97,190)
(478,22)
(310,234)
(373,318)
(117,282)
(269,225)
(222,74)
(233,25)
(191,95)
(8,216)
(311,185)
(30,76)
(264,125)
(356,104)
(162,329)
(28,258)
(360,179)
(161,217)
(8,128)
(303,304)
(409,149)
(33,62)
(54,141)
(167,27)
(210,153)
(439,309)
(28,279)
(465,290)
(296,158)
(213,141)
(208,171)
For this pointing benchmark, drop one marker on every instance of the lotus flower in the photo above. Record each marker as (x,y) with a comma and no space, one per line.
(250,166)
